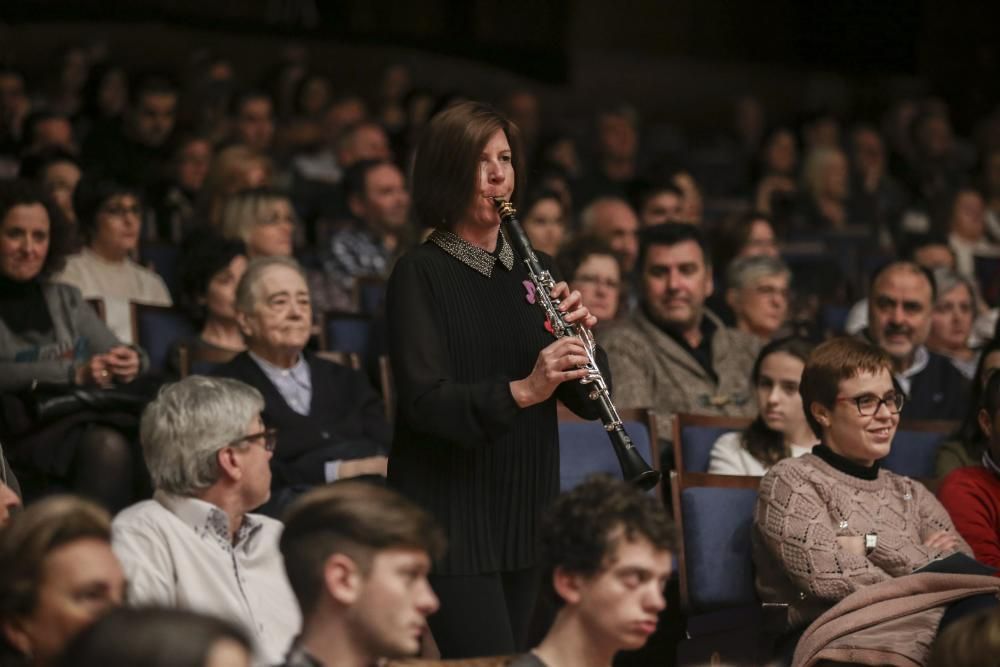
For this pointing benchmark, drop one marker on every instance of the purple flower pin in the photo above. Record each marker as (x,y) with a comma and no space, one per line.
(529,288)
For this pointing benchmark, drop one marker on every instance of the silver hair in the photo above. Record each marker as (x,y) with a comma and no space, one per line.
(745,271)
(945,280)
(589,215)
(188,423)
(246,290)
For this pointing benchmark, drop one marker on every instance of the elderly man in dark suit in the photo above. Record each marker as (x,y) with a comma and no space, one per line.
(331,423)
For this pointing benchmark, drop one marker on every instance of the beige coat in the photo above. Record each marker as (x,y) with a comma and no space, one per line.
(651,370)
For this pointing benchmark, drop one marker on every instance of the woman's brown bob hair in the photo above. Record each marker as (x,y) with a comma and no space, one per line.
(445,167)
(32,535)
(831,362)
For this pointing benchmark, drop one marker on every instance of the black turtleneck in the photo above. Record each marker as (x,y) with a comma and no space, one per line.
(23,306)
(844,465)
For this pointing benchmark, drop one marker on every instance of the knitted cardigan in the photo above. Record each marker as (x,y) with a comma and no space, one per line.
(805,504)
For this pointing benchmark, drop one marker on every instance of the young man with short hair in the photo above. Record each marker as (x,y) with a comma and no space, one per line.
(357,556)
(608,554)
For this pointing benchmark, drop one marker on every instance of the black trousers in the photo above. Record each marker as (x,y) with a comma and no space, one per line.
(484,614)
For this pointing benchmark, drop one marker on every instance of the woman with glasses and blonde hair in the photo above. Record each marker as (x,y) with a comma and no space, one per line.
(832,523)
(263,219)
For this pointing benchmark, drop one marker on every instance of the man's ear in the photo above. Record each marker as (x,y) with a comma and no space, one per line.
(342,578)
(568,585)
(985,422)
(243,320)
(821,413)
(229,463)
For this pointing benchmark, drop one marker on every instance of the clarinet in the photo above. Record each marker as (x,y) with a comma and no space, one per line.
(634,467)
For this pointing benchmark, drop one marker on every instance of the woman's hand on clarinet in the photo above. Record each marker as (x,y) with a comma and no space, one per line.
(571,303)
(556,363)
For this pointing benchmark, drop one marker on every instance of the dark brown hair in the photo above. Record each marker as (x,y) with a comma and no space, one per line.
(61,232)
(445,165)
(584,526)
(831,362)
(354,518)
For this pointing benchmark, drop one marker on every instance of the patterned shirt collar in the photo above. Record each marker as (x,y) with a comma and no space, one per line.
(473,257)
(208,520)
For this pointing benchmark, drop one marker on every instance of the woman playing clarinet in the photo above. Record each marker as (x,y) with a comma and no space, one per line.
(477,374)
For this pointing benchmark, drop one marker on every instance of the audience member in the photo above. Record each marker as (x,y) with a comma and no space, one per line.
(261,218)
(757,292)
(967,231)
(357,556)
(57,576)
(971,494)
(672,355)
(899,316)
(826,185)
(50,336)
(365,140)
(966,446)
(608,550)
(58,172)
(743,235)
(136,154)
(320,164)
(692,202)
(175,200)
(832,523)
(253,120)
(110,218)
(331,423)
(878,197)
(544,221)
(154,637)
(196,545)
(661,203)
(45,130)
(617,154)
(952,319)
(380,203)
(613,221)
(592,268)
(780,429)
(232,170)
(210,268)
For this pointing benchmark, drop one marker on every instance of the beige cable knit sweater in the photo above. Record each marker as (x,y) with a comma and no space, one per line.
(805,504)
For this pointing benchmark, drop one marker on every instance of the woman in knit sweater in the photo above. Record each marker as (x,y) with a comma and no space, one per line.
(830,523)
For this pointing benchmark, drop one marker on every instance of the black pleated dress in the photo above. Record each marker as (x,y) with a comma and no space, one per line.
(462,326)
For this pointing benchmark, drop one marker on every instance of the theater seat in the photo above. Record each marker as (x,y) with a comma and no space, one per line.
(914,449)
(157,328)
(694,436)
(584,447)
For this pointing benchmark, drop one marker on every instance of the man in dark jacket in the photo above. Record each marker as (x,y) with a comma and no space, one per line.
(899,316)
(331,423)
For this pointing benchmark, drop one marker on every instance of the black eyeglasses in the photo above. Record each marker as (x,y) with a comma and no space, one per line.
(869,404)
(268,438)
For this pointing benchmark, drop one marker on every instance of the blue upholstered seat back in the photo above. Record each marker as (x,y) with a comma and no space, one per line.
(717,525)
(348,334)
(696,443)
(913,453)
(584,449)
(158,329)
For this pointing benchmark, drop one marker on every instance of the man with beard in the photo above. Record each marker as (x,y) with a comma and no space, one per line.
(899,316)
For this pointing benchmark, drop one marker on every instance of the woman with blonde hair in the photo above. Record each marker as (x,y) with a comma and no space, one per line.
(233,169)
(261,218)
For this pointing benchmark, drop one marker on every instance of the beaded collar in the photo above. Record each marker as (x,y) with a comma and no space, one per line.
(473,257)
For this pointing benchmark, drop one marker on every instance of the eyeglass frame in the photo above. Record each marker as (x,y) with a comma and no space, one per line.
(270,436)
(898,399)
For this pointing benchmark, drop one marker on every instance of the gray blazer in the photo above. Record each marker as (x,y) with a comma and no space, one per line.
(77,334)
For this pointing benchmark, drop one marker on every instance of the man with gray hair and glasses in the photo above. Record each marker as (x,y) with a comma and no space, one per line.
(196,545)
(757,291)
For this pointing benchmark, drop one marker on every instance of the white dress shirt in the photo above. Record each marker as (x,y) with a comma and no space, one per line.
(176,552)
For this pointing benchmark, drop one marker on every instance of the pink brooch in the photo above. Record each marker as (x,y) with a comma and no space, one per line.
(529,288)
